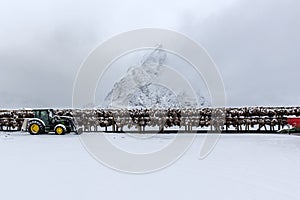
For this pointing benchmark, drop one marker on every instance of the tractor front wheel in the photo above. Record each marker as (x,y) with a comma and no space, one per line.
(60,130)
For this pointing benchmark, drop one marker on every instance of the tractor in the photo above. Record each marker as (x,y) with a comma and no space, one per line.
(44,121)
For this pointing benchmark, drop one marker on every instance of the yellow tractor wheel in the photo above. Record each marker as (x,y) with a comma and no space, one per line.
(60,130)
(35,127)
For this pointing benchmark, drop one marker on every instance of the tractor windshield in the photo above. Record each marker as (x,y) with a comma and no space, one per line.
(45,117)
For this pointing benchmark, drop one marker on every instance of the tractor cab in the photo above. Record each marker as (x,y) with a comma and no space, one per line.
(45,115)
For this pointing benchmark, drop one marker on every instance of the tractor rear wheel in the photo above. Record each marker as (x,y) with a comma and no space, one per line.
(36,127)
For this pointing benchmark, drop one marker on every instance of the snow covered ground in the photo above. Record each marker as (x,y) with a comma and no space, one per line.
(240,167)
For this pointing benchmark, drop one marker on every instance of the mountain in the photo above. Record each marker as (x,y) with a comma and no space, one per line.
(139,87)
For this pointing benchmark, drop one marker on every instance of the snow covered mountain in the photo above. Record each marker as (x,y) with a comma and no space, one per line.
(140,86)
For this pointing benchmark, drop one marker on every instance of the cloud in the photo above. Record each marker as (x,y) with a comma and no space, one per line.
(256,45)
(42,70)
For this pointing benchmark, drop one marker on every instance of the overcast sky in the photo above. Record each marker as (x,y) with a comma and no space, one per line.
(255,44)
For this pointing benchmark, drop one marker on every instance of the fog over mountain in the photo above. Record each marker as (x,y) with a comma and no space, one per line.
(255,44)
(140,88)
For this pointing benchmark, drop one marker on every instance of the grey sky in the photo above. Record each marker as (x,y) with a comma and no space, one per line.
(254,43)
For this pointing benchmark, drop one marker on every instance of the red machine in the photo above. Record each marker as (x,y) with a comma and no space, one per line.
(294,121)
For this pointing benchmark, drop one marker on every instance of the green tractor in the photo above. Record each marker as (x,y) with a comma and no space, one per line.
(44,121)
